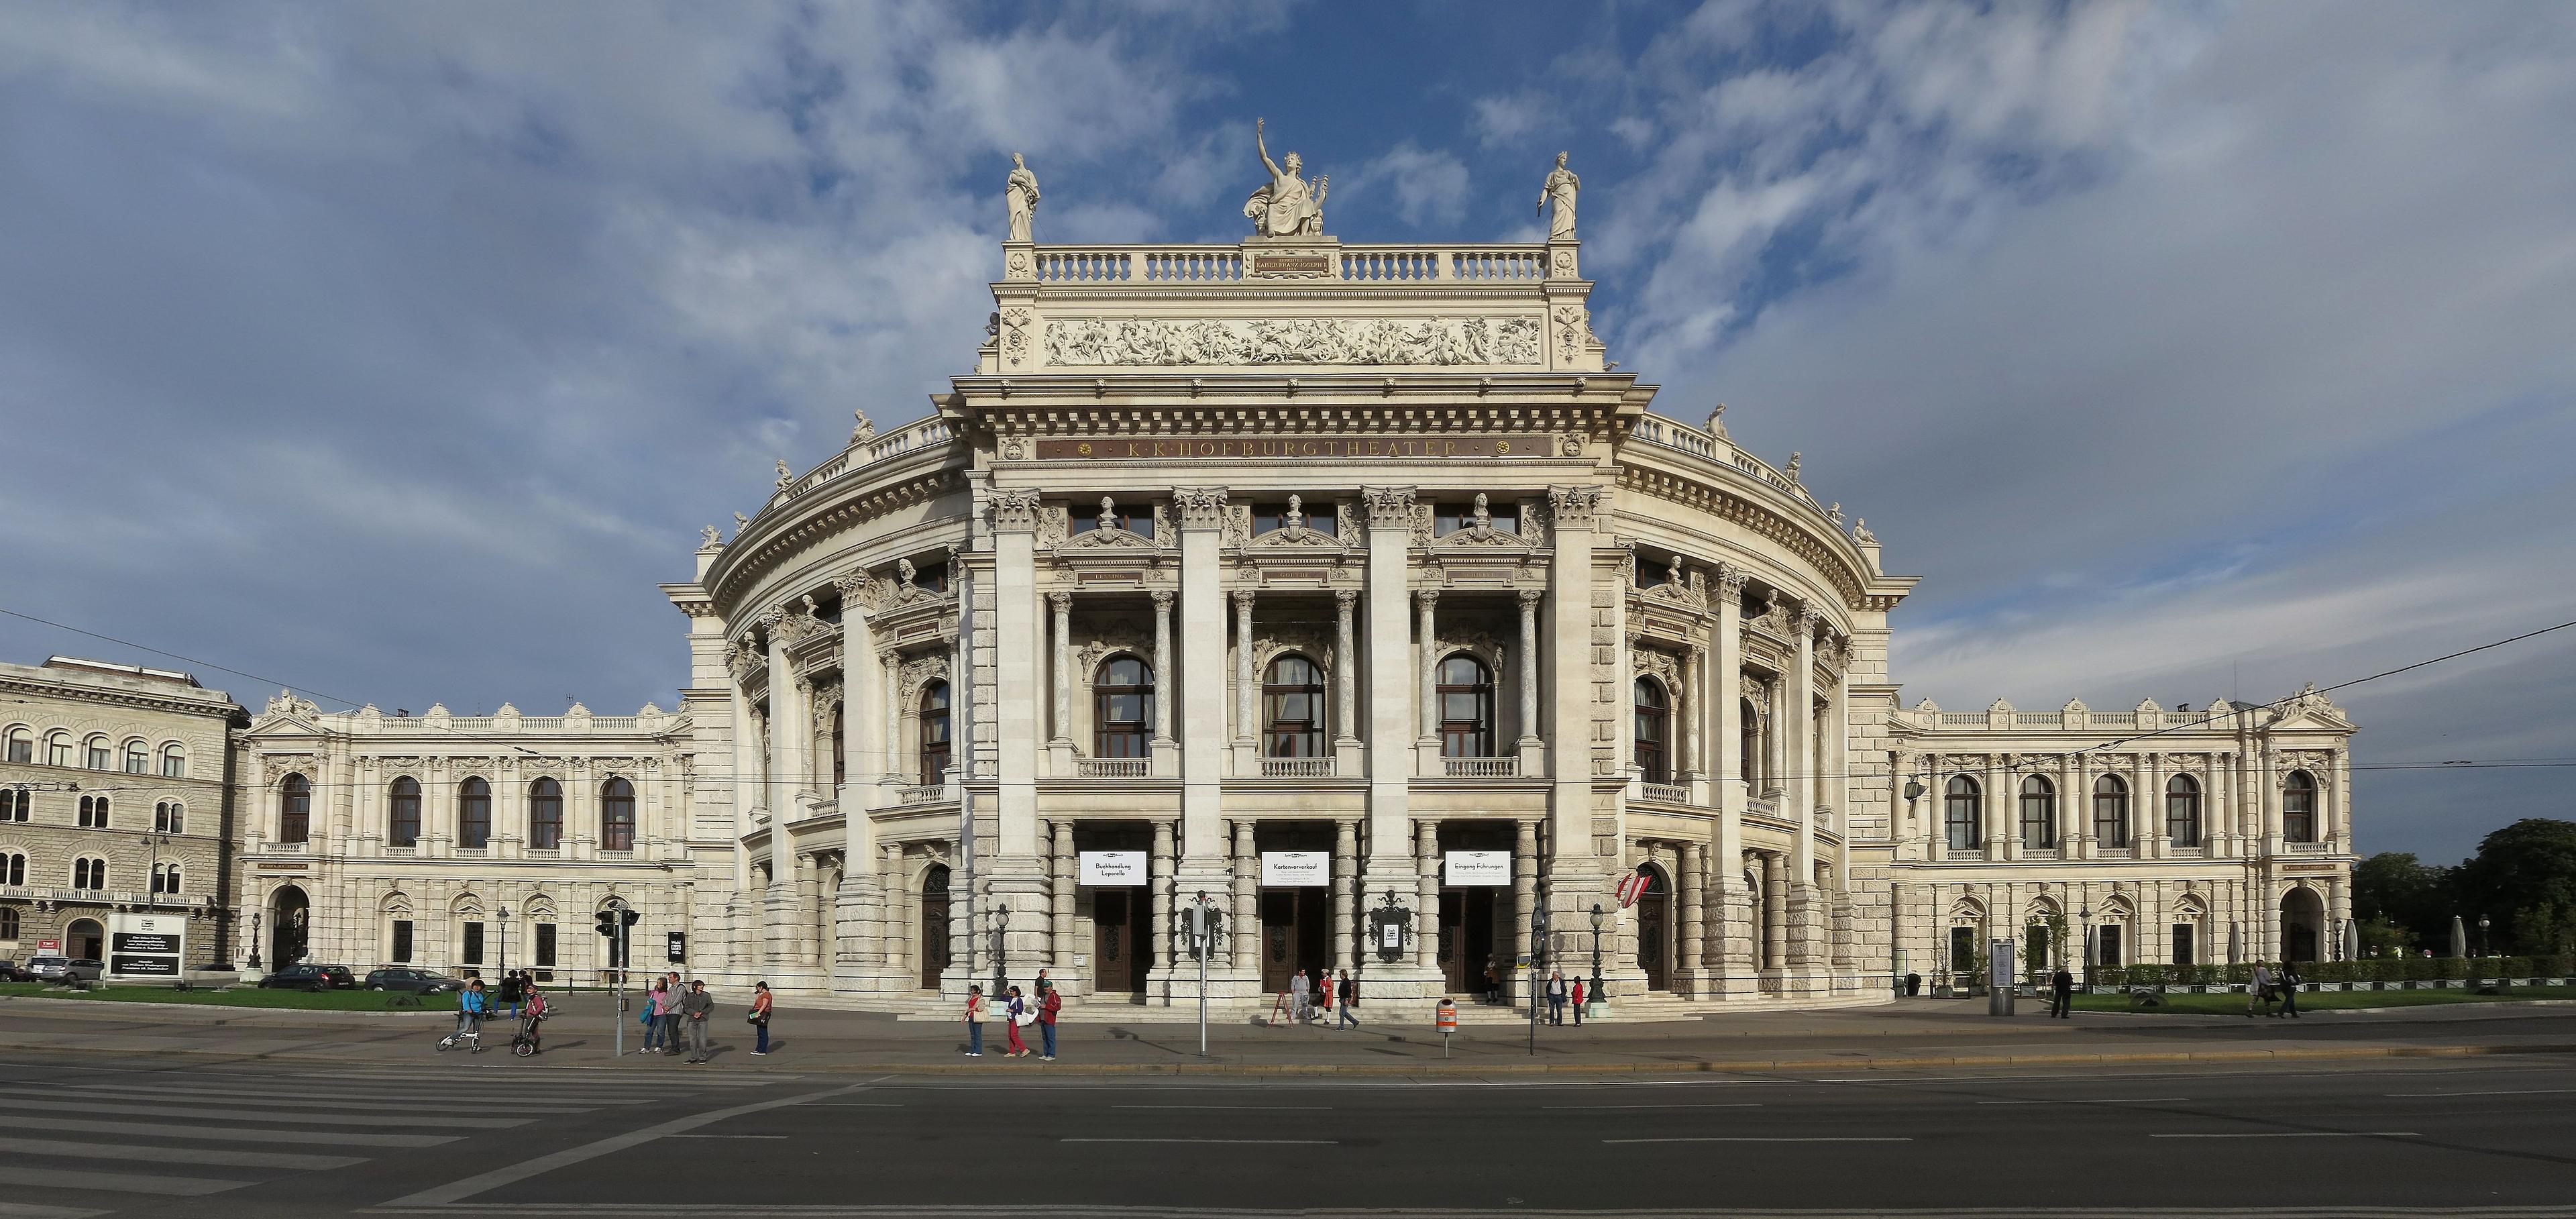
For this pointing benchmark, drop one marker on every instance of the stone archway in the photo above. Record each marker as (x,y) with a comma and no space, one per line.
(85,940)
(1655,927)
(2303,924)
(290,926)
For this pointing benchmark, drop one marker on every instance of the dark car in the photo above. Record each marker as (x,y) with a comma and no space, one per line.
(312,977)
(9,972)
(415,981)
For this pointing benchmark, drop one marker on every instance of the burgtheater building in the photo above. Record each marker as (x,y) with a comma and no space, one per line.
(1350,590)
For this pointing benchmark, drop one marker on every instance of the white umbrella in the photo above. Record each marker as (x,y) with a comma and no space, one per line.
(2459,937)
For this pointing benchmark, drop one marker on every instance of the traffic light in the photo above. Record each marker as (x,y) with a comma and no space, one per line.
(608,922)
(632,917)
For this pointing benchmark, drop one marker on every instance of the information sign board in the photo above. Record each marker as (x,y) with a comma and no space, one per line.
(145,945)
(1113,868)
(1296,868)
(1476,868)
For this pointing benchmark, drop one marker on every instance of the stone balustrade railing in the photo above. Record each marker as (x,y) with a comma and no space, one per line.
(865,453)
(1297,768)
(2073,720)
(1480,768)
(1671,434)
(1199,264)
(1112,768)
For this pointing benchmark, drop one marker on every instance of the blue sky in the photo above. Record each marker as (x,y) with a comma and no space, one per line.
(2186,351)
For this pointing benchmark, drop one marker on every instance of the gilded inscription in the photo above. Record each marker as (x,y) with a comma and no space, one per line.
(1325,448)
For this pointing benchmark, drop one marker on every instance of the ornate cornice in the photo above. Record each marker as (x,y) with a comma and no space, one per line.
(740,565)
(1762,520)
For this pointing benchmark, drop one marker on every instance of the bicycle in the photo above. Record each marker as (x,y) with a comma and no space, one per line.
(524,1042)
(469,1028)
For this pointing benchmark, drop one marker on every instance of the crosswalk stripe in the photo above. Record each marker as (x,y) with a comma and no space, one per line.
(402,1103)
(224,1133)
(253,1115)
(117,1182)
(226,1156)
(29,1210)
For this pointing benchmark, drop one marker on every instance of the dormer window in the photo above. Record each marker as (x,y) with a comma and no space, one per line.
(1270,518)
(1111,516)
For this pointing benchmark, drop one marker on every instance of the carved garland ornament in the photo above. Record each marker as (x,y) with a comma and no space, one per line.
(1103,342)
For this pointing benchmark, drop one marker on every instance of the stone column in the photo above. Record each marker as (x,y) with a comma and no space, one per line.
(1162,668)
(1061,738)
(1686,705)
(1346,862)
(1797,720)
(892,913)
(1202,712)
(1526,660)
(1061,890)
(1575,872)
(1247,690)
(2148,812)
(1775,912)
(1736,951)
(1247,900)
(1392,863)
(1426,864)
(1015,645)
(1693,887)
(810,890)
(1428,697)
(784,724)
(1346,677)
(1997,828)
(1524,887)
(902,766)
(1162,865)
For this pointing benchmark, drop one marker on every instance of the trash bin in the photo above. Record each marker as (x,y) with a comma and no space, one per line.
(1913,985)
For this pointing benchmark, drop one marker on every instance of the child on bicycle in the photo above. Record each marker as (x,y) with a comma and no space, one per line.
(471,1006)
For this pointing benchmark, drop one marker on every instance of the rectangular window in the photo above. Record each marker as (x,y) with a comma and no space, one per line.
(1963,950)
(2183,948)
(58,753)
(545,945)
(402,942)
(2035,948)
(174,766)
(98,756)
(22,749)
(1450,518)
(138,761)
(473,943)
(1078,520)
(2108,938)
(1314,515)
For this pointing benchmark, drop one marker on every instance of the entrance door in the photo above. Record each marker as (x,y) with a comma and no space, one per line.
(290,916)
(1119,943)
(83,940)
(1654,931)
(934,926)
(1295,926)
(1467,939)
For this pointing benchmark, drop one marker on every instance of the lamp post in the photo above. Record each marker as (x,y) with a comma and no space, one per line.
(504,915)
(254,939)
(2084,923)
(1537,965)
(1592,997)
(2482,935)
(1001,948)
(1200,925)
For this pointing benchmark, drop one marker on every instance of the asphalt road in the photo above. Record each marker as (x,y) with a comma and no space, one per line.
(83,1134)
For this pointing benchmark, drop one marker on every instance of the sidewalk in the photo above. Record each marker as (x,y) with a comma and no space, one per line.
(1913,1034)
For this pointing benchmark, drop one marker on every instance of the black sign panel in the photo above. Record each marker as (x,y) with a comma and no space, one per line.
(144,941)
(143,967)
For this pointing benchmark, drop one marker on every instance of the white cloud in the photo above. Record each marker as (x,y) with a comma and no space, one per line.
(1429,185)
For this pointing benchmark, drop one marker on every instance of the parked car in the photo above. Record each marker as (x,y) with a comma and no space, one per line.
(10,971)
(312,977)
(416,981)
(62,969)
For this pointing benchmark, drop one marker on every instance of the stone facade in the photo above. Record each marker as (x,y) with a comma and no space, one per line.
(112,799)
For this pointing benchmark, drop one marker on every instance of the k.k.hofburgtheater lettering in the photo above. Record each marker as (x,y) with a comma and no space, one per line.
(1320,448)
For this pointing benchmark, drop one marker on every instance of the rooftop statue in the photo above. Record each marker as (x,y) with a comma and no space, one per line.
(1020,193)
(1286,207)
(1560,188)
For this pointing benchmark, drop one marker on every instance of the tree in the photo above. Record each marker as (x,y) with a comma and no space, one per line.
(2524,879)
(2393,887)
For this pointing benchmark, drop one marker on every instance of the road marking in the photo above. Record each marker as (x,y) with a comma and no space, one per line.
(25,1210)
(117,1182)
(226,1134)
(225,1156)
(724,1136)
(858,1104)
(2098,1100)
(2500,1092)
(2301,1134)
(1253,1143)
(1731,1104)
(1248,1108)
(299,1101)
(457,1191)
(257,1115)
(1839,1138)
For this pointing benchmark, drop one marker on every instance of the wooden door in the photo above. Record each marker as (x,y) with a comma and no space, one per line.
(1118,941)
(1654,933)
(934,927)
(1279,939)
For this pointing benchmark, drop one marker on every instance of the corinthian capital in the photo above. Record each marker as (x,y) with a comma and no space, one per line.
(1199,507)
(1015,510)
(1574,507)
(1730,581)
(1388,507)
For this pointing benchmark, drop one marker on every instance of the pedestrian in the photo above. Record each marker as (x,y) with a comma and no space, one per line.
(652,1018)
(1324,994)
(1493,983)
(1578,1003)
(2061,994)
(759,1017)
(1350,997)
(974,1020)
(695,1008)
(1050,1001)
(510,992)
(1298,997)
(673,995)
(2258,991)
(1013,1016)
(2289,984)
(1556,996)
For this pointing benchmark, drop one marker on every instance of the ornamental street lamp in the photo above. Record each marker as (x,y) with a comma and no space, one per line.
(2482,935)
(504,913)
(1537,965)
(1592,997)
(1001,948)
(2084,919)
(254,939)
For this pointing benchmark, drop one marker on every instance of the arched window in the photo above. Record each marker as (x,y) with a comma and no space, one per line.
(1654,763)
(2038,813)
(88,873)
(402,817)
(138,758)
(13,871)
(1292,709)
(9,921)
(169,817)
(1962,813)
(93,812)
(1122,702)
(2299,808)
(1748,746)
(617,815)
(1466,692)
(840,747)
(22,745)
(474,814)
(295,809)
(934,733)
(2111,811)
(58,750)
(174,762)
(545,815)
(2182,810)
(98,756)
(165,878)
(13,804)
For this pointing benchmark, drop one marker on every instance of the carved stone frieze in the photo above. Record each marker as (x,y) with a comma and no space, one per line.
(1099,342)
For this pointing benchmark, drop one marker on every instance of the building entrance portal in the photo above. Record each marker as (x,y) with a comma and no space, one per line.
(1296,929)
(1121,939)
(1654,929)
(85,940)
(1467,939)
(934,925)
(290,916)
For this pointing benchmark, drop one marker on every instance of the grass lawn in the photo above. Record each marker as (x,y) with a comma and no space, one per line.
(2320,1000)
(244,996)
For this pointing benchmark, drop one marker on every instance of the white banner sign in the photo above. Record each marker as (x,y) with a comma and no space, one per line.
(1477,868)
(145,945)
(1296,868)
(1113,868)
